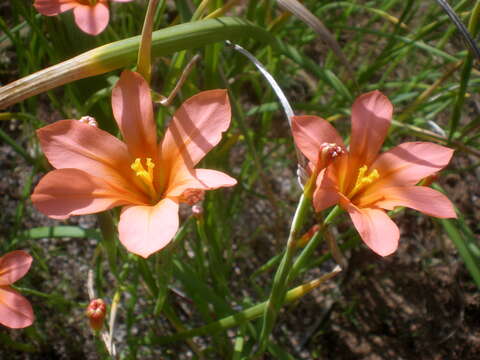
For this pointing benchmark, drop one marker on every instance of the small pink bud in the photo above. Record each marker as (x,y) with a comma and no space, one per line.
(96,312)
(329,152)
(89,120)
(192,196)
(197,211)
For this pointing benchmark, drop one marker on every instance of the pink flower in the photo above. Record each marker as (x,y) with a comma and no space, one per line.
(91,16)
(365,183)
(15,311)
(95,171)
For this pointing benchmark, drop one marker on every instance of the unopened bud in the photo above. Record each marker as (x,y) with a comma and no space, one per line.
(329,152)
(192,196)
(308,235)
(96,312)
(429,180)
(197,211)
(89,120)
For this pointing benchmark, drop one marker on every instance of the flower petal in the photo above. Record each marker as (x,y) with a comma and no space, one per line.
(92,19)
(13,266)
(375,227)
(201,179)
(371,118)
(133,111)
(70,143)
(421,198)
(410,162)
(53,7)
(310,132)
(66,192)
(326,193)
(146,229)
(15,311)
(196,127)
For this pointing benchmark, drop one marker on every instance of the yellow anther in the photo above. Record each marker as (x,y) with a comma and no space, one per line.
(146,176)
(363,180)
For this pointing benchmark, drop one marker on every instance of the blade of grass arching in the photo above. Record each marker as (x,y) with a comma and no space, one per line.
(246,315)
(311,20)
(471,262)
(469,40)
(201,294)
(425,95)
(473,27)
(123,53)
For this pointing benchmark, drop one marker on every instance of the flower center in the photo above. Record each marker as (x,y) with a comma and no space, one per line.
(145,176)
(363,180)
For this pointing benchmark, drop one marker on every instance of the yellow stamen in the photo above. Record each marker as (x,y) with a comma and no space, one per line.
(363,180)
(146,176)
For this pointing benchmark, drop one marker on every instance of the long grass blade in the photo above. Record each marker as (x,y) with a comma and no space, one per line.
(469,40)
(311,20)
(124,52)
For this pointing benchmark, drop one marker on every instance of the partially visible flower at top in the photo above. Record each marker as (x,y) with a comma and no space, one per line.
(91,16)
(15,311)
(95,171)
(365,183)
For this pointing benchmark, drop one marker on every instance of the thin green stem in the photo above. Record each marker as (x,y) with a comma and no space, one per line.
(277,294)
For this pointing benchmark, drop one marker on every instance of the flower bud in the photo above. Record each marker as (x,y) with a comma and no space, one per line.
(89,120)
(197,211)
(96,312)
(192,196)
(303,241)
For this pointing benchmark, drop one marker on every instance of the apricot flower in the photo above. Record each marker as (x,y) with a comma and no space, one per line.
(365,183)
(91,16)
(95,171)
(15,311)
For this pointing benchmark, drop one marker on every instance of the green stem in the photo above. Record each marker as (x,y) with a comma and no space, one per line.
(246,315)
(109,236)
(277,295)
(312,244)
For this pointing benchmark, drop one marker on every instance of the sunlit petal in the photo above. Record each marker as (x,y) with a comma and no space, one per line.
(200,179)
(13,266)
(421,198)
(70,143)
(15,311)
(310,132)
(133,111)
(410,162)
(65,192)
(371,117)
(326,193)
(146,229)
(375,227)
(92,19)
(54,7)
(196,127)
